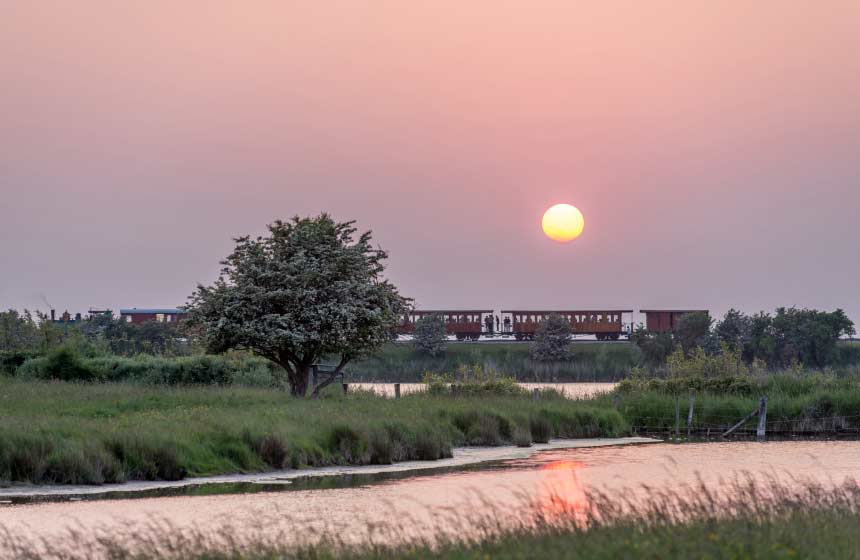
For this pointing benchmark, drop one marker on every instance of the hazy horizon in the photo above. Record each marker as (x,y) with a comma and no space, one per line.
(712,148)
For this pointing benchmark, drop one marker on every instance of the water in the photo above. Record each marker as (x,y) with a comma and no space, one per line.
(418,501)
(570,390)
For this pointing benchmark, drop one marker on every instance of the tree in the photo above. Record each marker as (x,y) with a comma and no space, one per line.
(430,335)
(19,332)
(306,291)
(693,330)
(734,329)
(808,336)
(552,340)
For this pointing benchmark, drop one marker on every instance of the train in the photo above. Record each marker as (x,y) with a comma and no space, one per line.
(603,324)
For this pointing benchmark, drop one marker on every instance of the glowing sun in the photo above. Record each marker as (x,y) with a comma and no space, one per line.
(563,223)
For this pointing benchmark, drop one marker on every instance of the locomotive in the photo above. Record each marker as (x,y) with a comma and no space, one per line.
(603,324)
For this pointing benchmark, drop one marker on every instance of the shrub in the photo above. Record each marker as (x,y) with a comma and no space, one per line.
(11,360)
(65,364)
(540,428)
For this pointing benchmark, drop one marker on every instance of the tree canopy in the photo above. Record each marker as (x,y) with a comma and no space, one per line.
(430,335)
(552,340)
(307,291)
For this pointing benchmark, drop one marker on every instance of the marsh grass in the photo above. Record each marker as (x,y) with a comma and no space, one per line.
(588,362)
(797,402)
(748,517)
(92,433)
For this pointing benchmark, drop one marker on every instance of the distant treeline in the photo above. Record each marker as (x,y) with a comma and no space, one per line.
(791,336)
(107,349)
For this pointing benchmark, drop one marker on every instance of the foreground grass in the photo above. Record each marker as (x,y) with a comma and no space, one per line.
(589,362)
(743,519)
(67,433)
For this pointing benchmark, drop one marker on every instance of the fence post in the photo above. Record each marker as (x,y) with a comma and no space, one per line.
(690,415)
(397,390)
(677,416)
(762,418)
(345,388)
(535,394)
(312,382)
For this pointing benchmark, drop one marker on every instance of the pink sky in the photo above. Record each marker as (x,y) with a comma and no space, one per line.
(712,146)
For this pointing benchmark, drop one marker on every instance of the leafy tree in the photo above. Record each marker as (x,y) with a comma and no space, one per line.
(18,331)
(734,329)
(808,336)
(552,340)
(693,330)
(306,291)
(430,335)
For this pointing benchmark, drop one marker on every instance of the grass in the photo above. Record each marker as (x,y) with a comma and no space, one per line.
(807,403)
(742,519)
(61,432)
(590,362)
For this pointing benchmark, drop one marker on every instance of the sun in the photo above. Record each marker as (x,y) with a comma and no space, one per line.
(563,223)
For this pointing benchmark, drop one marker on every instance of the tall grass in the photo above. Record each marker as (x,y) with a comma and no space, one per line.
(589,362)
(797,403)
(58,432)
(743,519)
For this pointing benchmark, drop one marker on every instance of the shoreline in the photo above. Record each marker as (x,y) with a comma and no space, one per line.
(462,457)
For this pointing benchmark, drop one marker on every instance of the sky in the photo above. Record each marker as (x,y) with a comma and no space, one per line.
(711,146)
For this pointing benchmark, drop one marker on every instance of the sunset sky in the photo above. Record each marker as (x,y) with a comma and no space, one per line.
(713,147)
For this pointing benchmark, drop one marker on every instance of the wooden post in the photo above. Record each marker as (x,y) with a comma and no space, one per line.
(762,418)
(536,394)
(345,388)
(677,416)
(690,415)
(313,378)
(742,422)
(397,390)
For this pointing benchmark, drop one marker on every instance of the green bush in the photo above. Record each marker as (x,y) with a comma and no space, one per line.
(540,428)
(66,365)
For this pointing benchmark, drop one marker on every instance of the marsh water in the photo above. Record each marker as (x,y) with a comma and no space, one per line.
(354,507)
(569,390)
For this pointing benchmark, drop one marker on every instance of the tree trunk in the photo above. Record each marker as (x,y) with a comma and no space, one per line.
(299,381)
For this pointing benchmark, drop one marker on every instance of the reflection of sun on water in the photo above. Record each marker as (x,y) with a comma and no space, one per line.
(562,494)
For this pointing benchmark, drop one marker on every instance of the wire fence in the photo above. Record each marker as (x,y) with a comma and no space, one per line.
(717,424)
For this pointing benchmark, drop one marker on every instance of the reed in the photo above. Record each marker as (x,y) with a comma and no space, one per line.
(93,433)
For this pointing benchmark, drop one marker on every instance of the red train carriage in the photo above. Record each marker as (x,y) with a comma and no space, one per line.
(463,324)
(603,324)
(665,320)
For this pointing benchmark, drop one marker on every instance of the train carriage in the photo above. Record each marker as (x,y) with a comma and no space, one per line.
(666,320)
(462,324)
(603,324)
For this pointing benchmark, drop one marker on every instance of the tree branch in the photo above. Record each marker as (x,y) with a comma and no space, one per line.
(343,361)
